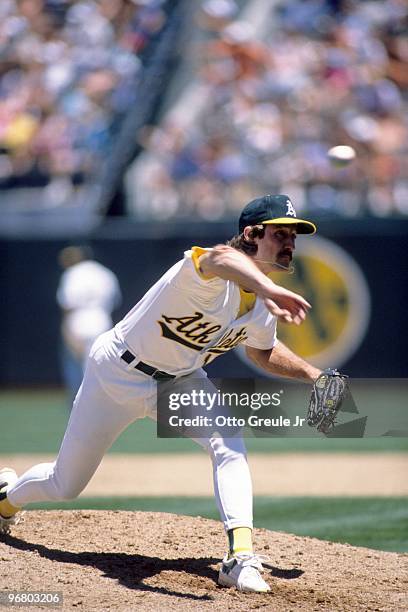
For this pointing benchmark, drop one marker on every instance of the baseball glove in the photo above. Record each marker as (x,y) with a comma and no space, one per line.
(328,393)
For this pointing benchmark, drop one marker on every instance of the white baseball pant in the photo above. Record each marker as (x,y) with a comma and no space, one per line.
(112,396)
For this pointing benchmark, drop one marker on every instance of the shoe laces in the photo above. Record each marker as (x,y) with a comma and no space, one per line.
(251,559)
(252,564)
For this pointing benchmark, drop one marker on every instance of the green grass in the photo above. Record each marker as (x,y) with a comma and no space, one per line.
(34,422)
(378,523)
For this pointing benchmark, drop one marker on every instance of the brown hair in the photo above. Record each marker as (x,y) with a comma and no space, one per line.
(246,245)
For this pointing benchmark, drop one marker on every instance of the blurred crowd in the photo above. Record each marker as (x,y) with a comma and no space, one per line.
(69,71)
(322,73)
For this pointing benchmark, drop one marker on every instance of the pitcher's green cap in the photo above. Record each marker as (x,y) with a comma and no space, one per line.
(274,209)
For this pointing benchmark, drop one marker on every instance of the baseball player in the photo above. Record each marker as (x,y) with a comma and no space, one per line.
(87,294)
(207,303)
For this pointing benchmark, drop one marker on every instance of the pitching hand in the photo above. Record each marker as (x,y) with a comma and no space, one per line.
(288,306)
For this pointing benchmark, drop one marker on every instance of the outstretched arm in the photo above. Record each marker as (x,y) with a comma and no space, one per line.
(230,264)
(283,362)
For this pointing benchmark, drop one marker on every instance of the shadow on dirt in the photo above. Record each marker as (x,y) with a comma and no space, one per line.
(131,570)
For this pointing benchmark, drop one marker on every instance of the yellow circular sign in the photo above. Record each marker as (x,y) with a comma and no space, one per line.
(335,286)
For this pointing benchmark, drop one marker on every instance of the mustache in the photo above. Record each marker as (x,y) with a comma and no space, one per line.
(286,253)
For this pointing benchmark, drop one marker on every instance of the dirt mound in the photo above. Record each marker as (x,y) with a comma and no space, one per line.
(155,561)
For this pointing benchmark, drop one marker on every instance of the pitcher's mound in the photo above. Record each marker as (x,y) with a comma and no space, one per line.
(155,561)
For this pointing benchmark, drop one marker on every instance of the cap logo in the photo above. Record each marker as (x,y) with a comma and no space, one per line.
(290,212)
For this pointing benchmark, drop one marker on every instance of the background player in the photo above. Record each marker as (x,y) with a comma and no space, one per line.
(211,300)
(87,294)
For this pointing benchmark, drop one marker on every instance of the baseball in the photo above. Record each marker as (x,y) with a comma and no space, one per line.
(341,155)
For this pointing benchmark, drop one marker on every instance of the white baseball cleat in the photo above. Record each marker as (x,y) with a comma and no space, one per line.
(7,512)
(242,571)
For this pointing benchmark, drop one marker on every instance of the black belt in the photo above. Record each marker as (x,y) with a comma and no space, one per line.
(146,368)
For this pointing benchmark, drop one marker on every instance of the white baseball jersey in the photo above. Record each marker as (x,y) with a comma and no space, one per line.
(184,321)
